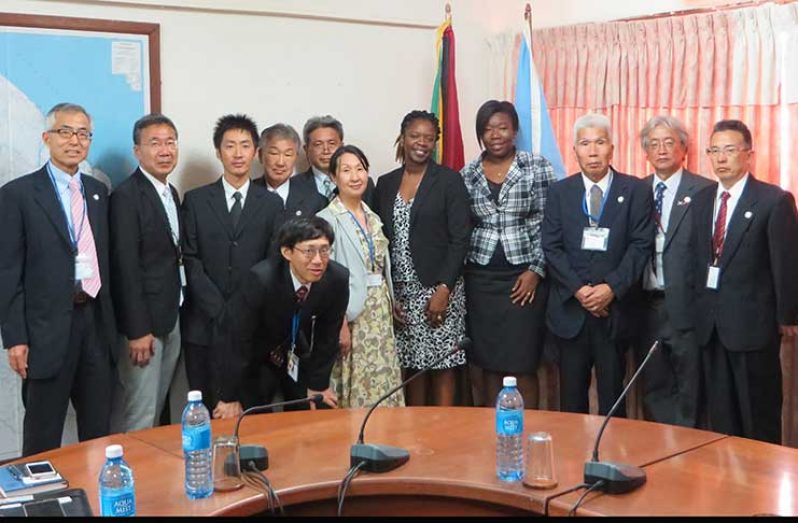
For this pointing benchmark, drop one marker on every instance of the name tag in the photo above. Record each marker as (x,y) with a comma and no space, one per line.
(83,268)
(713,277)
(595,238)
(292,367)
(183,281)
(659,243)
(374,280)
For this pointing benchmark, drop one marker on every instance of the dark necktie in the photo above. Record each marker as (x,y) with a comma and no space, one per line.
(301,294)
(235,211)
(596,195)
(658,198)
(719,235)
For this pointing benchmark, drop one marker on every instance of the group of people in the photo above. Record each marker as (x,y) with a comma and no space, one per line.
(322,282)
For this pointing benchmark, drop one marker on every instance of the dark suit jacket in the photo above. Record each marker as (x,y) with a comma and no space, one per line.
(758,286)
(368,196)
(677,257)
(37,269)
(303,198)
(217,256)
(628,215)
(263,310)
(144,259)
(440,222)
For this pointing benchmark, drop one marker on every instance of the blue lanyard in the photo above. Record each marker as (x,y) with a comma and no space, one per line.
(73,238)
(369,241)
(596,219)
(294,330)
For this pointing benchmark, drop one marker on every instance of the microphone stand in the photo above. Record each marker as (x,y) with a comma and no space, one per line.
(617,478)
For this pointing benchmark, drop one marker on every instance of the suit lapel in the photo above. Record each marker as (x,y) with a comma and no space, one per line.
(218,203)
(679,209)
(393,182)
(251,205)
(740,221)
(427,183)
(575,197)
(513,176)
(93,210)
(149,194)
(619,189)
(47,199)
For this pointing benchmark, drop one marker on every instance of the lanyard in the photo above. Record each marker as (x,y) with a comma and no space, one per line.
(73,238)
(596,219)
(369,240)
(294,330)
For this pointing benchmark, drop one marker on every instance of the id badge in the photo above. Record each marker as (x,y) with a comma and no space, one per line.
(713,277)
(374,280)
(595,239)
(182,268)
(83,268)
(292,367)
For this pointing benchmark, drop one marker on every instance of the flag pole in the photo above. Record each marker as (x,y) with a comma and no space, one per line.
(448,12)
(528,16)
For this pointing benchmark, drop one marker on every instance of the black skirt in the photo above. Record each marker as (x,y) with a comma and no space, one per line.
(505,336)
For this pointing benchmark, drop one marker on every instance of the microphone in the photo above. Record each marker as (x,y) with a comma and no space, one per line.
(383,458)
(617,478)
(257,454)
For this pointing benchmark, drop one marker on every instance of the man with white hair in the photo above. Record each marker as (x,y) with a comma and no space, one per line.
(597,237)
(671,381)
(56,316)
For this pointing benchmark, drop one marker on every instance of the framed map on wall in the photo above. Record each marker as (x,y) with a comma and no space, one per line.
(109,67)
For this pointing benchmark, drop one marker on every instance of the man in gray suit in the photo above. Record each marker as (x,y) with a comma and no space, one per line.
(671,381)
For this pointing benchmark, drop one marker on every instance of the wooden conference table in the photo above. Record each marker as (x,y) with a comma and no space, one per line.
(452,467)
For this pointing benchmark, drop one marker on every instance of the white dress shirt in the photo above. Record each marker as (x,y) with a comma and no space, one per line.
(735,192)
(323,182)
(657,281)
(281,190)
(604,185)
(297,283)
(229,191)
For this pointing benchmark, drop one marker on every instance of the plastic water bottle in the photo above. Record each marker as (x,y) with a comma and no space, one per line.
(117,495)
(510,432)
(197,447)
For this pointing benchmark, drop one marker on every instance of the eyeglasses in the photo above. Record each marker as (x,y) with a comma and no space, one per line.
(727,150)
(157,144)
(311,252)
(67,133)
(654,145)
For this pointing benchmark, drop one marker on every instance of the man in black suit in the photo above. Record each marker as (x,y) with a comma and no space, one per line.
(597,236)
(671,380)
(148,276)
(277,150)
(56,315)
(323,135)
(228,229)
(746,254)
(287,318)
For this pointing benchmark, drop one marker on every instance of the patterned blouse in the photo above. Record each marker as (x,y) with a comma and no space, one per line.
(516,218)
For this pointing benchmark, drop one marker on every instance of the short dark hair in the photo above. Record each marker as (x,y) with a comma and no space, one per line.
(298,230)
(319,122)
(735,125)
(409,118)
(239,122)
(347,149)
(487,110)
(148,121)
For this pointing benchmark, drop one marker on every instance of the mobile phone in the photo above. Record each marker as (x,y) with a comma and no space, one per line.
(40,470)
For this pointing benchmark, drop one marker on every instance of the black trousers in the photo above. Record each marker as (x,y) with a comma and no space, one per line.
(744,390)
(265,380)
(671,381)
(202,372)
(591,347)
(86,378)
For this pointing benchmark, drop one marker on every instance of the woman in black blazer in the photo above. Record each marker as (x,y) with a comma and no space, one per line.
(424,209)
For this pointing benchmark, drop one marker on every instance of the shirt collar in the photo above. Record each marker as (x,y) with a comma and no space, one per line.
(319,175)
(604,183)
(672,183)
(159,186)
(736,190)
(62,178)
(229,190)
(297,283)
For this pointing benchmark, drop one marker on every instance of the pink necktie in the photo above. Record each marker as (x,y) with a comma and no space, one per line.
(720,226)
(84,236)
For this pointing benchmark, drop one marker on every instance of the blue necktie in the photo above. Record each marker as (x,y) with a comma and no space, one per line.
(658,197)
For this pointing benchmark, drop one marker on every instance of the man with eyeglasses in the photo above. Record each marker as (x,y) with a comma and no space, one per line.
(288,315)
(56,315)
(671,380)
(148,276)
(746,288)
(323,135)
(229,227)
